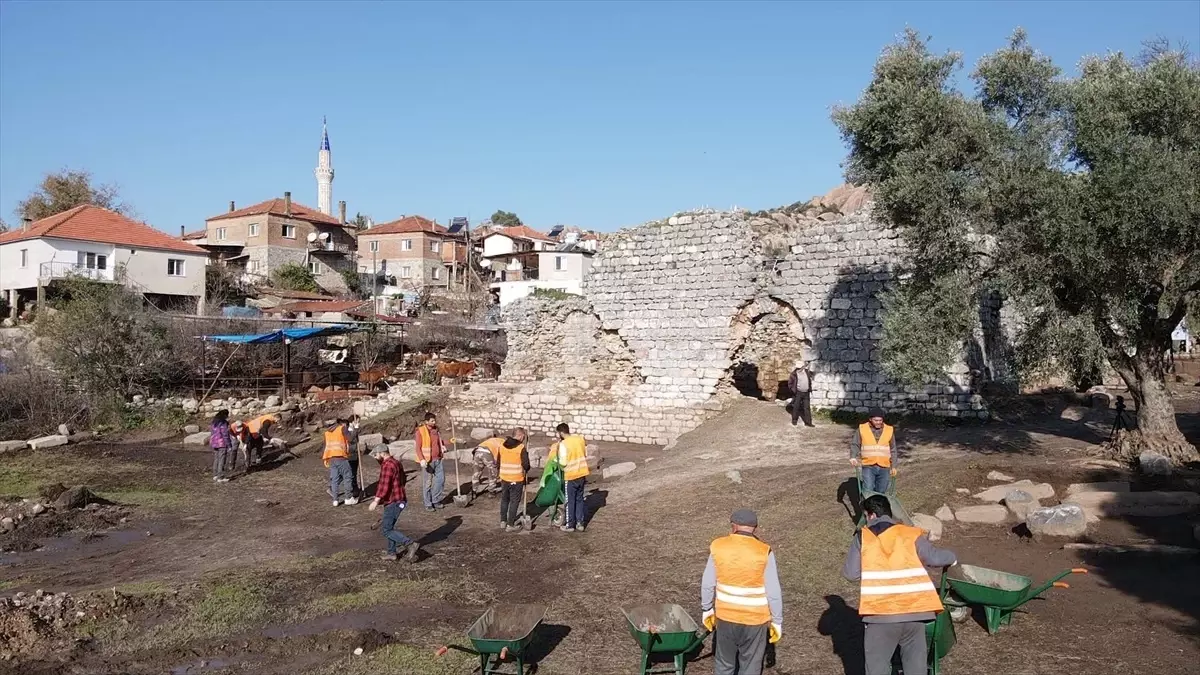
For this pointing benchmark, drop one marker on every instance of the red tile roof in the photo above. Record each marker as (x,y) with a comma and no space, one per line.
(522,232)
(317,307)
(198,234)
(278,207)
(407,225)
(293,295)
(96,224)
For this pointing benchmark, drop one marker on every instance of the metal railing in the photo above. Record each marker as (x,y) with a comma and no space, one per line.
(64,270)
(330,247)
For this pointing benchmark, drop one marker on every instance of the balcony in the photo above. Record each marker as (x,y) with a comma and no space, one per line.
(48,271)
(330,248)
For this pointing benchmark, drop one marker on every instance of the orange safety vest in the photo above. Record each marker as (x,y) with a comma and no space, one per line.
(336,445)
(255,425)
(425,441)
(575,466)
(893,579)
(511,470)
(741,563)
(876,453)
(493,446)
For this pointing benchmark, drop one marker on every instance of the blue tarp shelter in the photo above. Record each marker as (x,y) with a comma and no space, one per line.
(277,336)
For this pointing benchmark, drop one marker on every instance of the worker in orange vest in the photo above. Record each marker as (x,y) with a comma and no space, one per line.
(896,595)
(572,457)
(874,447)
(430,449)
(337,459)
(741,598)
(256,435)
(514,464)
(486,458)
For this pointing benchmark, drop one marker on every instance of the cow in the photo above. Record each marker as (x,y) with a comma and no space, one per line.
(457,369)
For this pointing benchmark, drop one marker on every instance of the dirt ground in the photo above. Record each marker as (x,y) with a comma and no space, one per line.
(262,575)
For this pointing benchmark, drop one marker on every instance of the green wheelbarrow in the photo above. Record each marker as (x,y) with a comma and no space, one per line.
(899,514)
(1000,593)
(940,637)
(663,629)
(504,632)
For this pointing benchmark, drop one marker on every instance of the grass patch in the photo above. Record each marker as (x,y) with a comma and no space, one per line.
(144,497)
(227,609)
(407,659)
(381,592)
(146,588)
(23,474)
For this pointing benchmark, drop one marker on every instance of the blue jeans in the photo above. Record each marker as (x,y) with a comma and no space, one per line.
(395,538)
(876,478)
(576,508)
(433,484)
(339,473)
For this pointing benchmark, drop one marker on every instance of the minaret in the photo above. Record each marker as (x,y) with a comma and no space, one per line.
(324,173)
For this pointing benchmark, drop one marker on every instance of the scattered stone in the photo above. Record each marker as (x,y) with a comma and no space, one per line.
(734,476)
(1001,477)
(64,430)
(358,651)
(77,497)
(1074,413)
(1021,503)
(1150,503)
(944,513)
(200,438)
(985,513)
(368,441)
(272,401)
(48,442)
(1154,464)
(8,524)
(481,433)
(81,436)
(12,446)
(618,470)
(191,429)
(962,491)
(37,509)
(190,406)
(1100,486)
(1063,520)
(997,493)
(930,524)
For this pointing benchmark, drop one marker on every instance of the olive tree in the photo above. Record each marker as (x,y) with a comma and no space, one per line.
(1074,197)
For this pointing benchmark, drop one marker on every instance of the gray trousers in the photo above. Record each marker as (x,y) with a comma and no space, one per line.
(739,649)
(880,642)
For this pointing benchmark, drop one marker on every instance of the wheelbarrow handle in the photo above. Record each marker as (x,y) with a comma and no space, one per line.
(1061,584)
(1079,570)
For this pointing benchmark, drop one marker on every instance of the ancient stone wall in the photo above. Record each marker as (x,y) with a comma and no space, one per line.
(679,314)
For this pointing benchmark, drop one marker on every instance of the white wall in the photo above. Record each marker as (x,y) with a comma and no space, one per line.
(497,244)
(575,266)
(146,270)
(513,290)
(12,275)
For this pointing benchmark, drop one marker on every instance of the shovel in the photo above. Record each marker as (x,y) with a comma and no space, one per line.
(525,521)
(460,499)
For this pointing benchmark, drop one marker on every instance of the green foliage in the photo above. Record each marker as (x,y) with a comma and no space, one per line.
(104,340)
(294,277)
(552,294)
(505,218)
(353,281)
(1075,197)
(65,190)
(923,327)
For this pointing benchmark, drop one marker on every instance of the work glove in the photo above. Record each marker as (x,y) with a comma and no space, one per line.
(424,464)
(709,619)
(894,472)
(776,632)
(853,461)
(374,505)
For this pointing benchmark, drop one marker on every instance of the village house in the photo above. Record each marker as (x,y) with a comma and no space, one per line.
(520,260)
(95,243)
(257,240)
(413,254)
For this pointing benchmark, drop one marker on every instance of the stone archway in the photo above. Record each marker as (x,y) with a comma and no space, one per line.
(767,337)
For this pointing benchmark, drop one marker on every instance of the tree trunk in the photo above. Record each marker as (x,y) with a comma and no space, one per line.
(1156,430)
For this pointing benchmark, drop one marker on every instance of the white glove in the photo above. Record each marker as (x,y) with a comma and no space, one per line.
(424,464)
(374,505)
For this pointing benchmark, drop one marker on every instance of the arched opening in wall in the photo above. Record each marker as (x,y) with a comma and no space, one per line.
(767,339)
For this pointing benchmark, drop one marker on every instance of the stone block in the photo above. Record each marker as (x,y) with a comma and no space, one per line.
(200,438)
(1037,491)
(986,513)
(1000,477)
(481,433)
(618,470)
(48,441)
(1137,504)
(368,441)
(1063,520)
(403,450)
(944,513)
(191,429)
(1101,486)
(1021,503)
(12,446)
(931,525)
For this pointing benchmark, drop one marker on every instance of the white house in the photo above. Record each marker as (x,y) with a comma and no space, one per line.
(93,242)
(515,239)
(520,274)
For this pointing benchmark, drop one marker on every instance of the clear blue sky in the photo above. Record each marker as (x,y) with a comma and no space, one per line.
(596,114)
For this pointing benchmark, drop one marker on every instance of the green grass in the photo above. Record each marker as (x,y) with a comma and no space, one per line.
(146,588)
(24,474)
(398,658)
(150,498)
(382,591)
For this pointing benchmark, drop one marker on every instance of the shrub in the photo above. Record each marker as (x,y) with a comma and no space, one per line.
(294,277)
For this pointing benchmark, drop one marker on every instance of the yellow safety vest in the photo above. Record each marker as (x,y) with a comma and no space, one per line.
(875,453)
(741,563)
(575,466)
(511,470)
(893,579)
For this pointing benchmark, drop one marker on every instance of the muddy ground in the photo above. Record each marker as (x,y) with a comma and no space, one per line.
(262,575)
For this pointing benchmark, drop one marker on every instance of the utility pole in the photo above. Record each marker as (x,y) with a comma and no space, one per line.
(374,289)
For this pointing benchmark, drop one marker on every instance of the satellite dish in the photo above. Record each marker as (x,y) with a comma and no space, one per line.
(324,236)
(485,264)
(514,265)
(312,236)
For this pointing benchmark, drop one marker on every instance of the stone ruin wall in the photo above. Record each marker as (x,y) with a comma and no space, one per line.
(679,315)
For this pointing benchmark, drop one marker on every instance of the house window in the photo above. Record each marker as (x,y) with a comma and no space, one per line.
(288,231)
(405,272)
(314,266)
(436,247)
(253,229)
(435,273)
(558,263)
(24,257)
(375,247)
(93,261)
(256,266)
(174,267)
(406,245)
(220,234)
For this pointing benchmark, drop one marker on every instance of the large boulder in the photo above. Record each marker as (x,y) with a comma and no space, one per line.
(1154,464)
(200,438)
(48,441)
(1021,503)
(992,514)
(999,492)
(368,441)
(481,433)
(931,525)
(1064,520)
(1150,503)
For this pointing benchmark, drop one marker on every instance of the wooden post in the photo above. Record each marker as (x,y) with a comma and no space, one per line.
(287,364)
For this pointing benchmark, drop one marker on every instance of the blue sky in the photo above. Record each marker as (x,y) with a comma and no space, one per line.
(597,114)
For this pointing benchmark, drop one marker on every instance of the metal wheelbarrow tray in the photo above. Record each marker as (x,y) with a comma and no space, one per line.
(899,513)
(1000,593)
(504,631)
(663,629)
